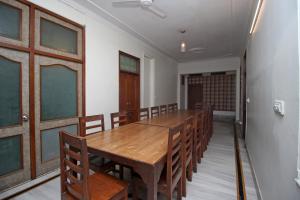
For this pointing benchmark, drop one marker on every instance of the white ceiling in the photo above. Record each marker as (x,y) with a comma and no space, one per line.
(219,26)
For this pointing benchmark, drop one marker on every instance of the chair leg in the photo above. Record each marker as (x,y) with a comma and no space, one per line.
(199,155)
(134,191)
(195,163)
(183,182)
(169,195)
(121,171)
(190,171)
(125,196)
(179,189)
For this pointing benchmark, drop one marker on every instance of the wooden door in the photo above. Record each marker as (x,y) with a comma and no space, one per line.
(195,95)
(14,95)
(129,95)
(14,125)
(57,107)
(58,86)
(129,85)
(42,88)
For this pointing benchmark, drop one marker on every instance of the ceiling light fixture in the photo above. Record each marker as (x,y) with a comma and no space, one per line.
(182,44)
(183,47)
(256,14)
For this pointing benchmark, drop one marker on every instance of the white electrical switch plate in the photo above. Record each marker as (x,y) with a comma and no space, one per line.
(248,100)
(279,107)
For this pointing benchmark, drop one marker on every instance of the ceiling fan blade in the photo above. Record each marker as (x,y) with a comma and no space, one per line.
(127,3)
(157,11)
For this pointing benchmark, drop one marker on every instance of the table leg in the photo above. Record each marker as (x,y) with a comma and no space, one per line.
(152,187)
(150,176)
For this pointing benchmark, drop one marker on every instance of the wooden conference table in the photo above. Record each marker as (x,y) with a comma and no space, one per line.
(141,145)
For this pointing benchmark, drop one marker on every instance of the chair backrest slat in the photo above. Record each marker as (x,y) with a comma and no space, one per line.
(170,107)
(144,113)
(175,106)
(154,111)
(96,124)
(118,119)
(163,109)
(74,166)
(189,136)
(198,106)
(175,154)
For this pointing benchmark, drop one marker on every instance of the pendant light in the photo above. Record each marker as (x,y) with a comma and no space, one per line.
(183,43)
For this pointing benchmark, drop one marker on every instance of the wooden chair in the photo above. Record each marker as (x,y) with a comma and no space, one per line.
(97,124)
(198,106)
(163,109)
(205,128)
(76,183)
(171,177)
(211,120)
(187,172)
(154,111)
(144,113)
(118,119)
(170,107)
(96,163)
(198,139)
(175,106)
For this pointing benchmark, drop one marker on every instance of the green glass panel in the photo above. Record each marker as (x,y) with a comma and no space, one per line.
(10,154)
(9,92)
(128,64)
(10,21)
(50,141)
(58,37)
(58,92)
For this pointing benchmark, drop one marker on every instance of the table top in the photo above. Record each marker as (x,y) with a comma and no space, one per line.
(168,120)
(139,142)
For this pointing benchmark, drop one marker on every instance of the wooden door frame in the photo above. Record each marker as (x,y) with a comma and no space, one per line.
(244,97)
(135,74)
(32,52)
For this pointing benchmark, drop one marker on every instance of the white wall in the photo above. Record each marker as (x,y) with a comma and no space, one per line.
(213,65)
(273,73)
(103,41)
(298,168)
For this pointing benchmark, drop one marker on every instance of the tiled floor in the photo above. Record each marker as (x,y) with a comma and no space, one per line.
(215,180)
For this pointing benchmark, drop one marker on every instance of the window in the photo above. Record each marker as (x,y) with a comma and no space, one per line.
(129,63)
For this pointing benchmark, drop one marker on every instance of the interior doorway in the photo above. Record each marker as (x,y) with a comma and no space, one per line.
(129,86)
(243,92)
(195,95)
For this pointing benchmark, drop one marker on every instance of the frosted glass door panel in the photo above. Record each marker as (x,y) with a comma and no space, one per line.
(10,154)
(50,141)
(128,64)
(10,19)
(58,92)
(58,37)
(9,92)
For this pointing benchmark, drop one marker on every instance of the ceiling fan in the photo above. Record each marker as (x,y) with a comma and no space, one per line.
(147,5)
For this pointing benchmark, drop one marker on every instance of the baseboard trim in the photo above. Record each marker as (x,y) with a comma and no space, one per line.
(259,194)
(29,185)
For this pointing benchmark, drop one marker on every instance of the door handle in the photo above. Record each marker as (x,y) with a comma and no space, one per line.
(25,117)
